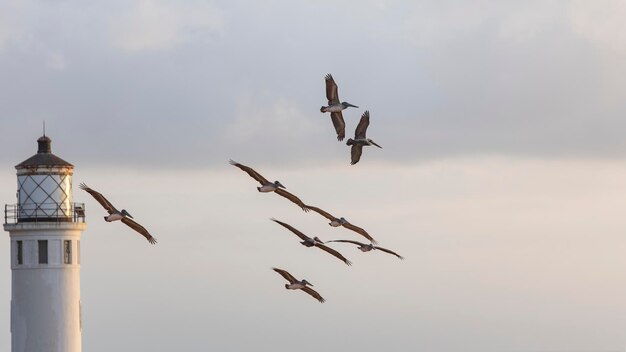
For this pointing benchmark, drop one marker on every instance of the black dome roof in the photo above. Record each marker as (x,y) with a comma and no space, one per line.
(44,156)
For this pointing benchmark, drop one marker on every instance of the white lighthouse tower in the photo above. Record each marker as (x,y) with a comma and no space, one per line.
(45,227)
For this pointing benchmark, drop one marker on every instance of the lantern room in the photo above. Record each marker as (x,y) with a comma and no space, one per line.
(44,194)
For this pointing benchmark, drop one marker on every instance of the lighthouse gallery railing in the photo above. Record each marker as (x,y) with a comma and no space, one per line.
(46,212)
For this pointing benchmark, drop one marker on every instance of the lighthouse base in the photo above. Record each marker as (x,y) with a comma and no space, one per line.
(45,291)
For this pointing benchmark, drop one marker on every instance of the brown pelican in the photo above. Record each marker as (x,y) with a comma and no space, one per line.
(336,222)
(368,247)
(335,107)
(267,186)
(359,138)
(312,242)
(115,214)
(298,285)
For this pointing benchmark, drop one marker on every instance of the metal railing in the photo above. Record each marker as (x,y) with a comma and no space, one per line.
(47,212)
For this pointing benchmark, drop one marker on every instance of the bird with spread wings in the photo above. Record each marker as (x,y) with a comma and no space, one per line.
(313,242)
(295,284)
(267,186)
(115,214)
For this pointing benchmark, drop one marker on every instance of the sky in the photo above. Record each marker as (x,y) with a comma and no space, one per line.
(501,178)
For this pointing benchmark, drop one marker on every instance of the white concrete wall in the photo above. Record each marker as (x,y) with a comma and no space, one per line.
(45,298)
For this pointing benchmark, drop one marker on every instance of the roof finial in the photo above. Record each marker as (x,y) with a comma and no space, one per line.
(44,142)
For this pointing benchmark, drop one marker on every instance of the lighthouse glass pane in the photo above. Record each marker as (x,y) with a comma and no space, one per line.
(63,195)
(43,251)
(67,252)
(20,253)
(45,195)
(26,187)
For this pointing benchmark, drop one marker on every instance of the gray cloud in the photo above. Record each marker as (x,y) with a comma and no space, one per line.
(439,79)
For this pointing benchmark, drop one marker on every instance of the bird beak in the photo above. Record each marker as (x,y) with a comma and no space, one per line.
(374,143)
(354,106)
(128,214)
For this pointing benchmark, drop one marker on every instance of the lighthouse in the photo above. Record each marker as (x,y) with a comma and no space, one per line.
(44,228)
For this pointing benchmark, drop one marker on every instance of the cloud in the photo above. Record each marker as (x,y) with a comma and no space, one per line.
(277,129)
(4,34)
(56,61)
(513,78)
(158,25)
(440,79)
(601,25)
(13,14)
(278,119)
(537,244)
(601,22)
(434,23)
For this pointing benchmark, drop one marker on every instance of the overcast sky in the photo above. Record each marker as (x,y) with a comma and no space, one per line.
(501,179)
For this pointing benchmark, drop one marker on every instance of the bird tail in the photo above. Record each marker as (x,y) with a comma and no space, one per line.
(323,109)
(258,189)
(287,286)
(350,141)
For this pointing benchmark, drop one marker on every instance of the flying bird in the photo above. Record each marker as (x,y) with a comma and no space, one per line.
(368,247)
(267,186)
(298,285)
(115,214)
(335,107)
(359,138)
(336,222)
(313,242)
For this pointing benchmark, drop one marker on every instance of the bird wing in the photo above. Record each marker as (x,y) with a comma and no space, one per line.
(321,212)
(340,125)
(142,230)
(355,153)
(292,229)
(331,90)
(360,231)
(292,198)
(286,275)
(255,175)
(333,252)
(99,197)
(349,241)
(390,252)
(313,293)
(361,128)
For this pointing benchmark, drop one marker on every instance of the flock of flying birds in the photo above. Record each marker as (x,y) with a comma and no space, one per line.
(335,107)
(277,187)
